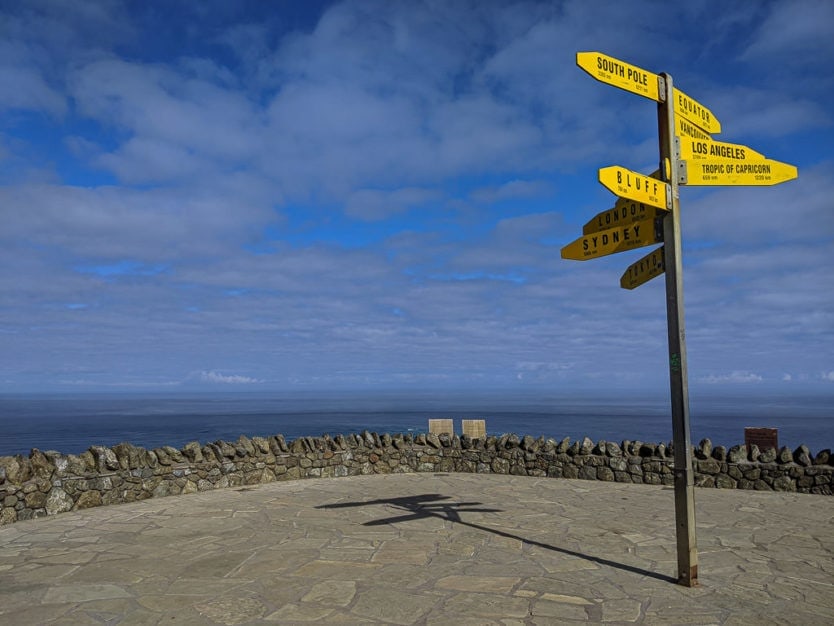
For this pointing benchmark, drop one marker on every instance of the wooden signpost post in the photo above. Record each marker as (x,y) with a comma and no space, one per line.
(648,211)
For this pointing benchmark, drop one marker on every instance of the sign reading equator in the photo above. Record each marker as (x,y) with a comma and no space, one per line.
(635,186)
(695,112)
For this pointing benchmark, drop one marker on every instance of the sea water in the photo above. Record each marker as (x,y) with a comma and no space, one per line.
(71,423)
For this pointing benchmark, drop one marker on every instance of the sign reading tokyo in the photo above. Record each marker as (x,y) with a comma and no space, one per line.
(650,266)
(634,186)
(609,70)
(613,240)
(735,173)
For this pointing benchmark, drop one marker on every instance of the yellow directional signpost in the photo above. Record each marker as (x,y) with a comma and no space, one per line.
(694,149)
(648,211)
(687,129)
(644,270)
(733,172)
(695,112)
(624,212)
(618,73)
(611,240)
(635,186)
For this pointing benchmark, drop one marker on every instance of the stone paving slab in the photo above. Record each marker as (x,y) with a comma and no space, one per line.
(423,549)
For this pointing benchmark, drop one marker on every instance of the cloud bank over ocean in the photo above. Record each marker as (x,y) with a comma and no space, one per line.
(374,195)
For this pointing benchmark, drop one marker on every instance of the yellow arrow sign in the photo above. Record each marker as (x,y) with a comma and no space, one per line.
(651,265)
(609,70)
(705,150)
(687,129)
(729,172)
(613,240)
(634,186)
(625,212)
(695,112)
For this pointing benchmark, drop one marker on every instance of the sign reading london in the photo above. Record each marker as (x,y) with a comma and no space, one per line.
(624,212)
(634,186)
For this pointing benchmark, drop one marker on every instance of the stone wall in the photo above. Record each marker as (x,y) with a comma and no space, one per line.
(47,483)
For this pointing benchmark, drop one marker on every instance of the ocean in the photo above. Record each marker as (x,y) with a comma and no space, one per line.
(71,423)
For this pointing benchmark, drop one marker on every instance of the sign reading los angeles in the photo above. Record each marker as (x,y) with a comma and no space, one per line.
(647,211)
(704,149)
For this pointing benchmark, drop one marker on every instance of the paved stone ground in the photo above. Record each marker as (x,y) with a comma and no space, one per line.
(423,549)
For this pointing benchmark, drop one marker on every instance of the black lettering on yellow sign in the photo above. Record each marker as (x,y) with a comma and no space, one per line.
(650,266)
(640,183)
(654,261)
(731,168)
(725,151)
(591,243)
(690,106)
(690,130)
(628,210)
(634,74)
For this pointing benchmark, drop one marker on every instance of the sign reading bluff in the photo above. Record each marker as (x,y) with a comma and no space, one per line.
(634,186)
(613,240)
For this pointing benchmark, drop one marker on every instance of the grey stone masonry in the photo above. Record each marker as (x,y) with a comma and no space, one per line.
(47,483)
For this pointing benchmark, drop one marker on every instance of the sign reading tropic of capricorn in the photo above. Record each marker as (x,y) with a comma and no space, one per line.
(647,211)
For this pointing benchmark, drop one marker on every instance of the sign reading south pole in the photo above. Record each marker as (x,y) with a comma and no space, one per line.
(609,70)
(635,186)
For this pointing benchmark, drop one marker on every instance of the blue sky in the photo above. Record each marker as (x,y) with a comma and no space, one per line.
(373,195)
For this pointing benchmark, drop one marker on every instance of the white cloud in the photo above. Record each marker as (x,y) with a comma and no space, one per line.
(733,378)
(828,376)
(224,379)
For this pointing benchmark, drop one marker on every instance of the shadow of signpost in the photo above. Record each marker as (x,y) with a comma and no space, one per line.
(438,506)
